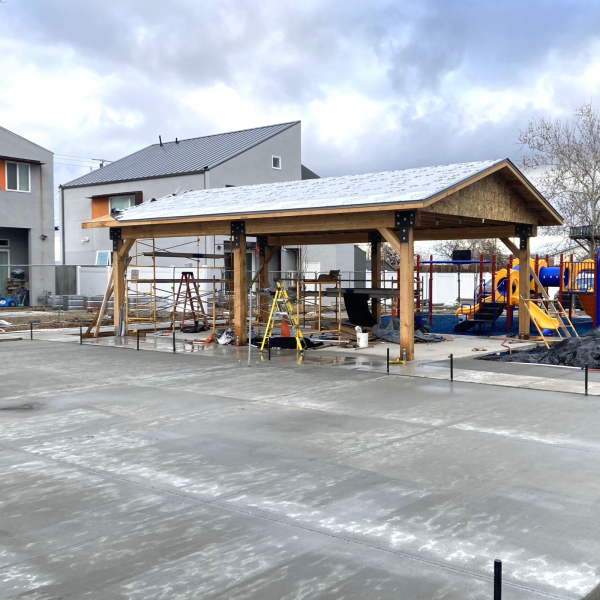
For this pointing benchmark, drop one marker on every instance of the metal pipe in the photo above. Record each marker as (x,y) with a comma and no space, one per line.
(173,339)
(452,367)
(80,335)
(250,324)
(508,293)
(388,361)
(497,579)
(31,330)
(138,339)
(586,379)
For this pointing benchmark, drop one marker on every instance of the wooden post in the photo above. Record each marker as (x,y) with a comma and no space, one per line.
(407,296)
(524,287)
(376,279)
(263,282)
(240,292)
(118,280)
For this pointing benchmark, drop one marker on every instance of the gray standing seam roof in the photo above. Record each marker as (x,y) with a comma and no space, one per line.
(185,156)
(369,189)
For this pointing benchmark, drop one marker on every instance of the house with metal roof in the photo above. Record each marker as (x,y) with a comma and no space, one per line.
(270,154)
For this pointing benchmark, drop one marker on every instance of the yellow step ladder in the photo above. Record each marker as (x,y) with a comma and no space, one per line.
(282,306)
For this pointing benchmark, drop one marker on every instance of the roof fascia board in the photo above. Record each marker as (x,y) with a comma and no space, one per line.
(258,215)
(66,186)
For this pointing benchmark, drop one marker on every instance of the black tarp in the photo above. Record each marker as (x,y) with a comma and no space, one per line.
(357,307)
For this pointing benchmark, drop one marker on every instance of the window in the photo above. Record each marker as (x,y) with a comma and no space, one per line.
(4,243)
(17,177)
(276,162)
(120,202)
(103,257)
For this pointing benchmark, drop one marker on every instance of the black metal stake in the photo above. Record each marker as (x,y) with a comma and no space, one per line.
(138,339)
(388,361)
(586,379)
(31,330)
(269,340)
(497,579)
(173,339)
(80,335)
(452,367)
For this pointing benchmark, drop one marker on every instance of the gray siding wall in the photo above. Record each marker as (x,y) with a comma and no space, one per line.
(78,208)
(32,210)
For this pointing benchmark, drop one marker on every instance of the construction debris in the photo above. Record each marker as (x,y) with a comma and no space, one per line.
(390,331)
(572,352)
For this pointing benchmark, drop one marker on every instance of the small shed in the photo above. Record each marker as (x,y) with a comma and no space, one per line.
(477,200)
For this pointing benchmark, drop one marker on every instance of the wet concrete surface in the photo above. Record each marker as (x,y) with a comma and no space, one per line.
(150,475)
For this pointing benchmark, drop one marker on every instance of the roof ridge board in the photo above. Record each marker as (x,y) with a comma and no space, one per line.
(202,137)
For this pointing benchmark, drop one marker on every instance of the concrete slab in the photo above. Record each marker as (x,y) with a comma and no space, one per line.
(146,475)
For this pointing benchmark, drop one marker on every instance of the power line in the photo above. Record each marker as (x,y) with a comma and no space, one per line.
(83,157)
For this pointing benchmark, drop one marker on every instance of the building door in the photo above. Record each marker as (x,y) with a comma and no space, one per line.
(4,267)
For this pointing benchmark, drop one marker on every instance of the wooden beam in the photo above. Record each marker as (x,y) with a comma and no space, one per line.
(524,291)
(240,294)
(376,279)
(289,225)
(467,233)
(407,297)
(359,237)
(390,236)
(513,249)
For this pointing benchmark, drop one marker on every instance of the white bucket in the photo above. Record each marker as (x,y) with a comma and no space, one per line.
(362,340)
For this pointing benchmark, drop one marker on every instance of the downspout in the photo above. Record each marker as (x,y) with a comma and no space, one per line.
(206,179)
(62,223)
(41,216)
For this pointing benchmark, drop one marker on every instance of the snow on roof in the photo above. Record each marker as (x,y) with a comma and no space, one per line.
(389,187)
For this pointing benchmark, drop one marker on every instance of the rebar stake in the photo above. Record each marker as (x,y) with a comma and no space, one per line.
(138,339)
(497,579)
(452,367)
(31,330)
(269,341)
(173,339)
(80,335)
(586,379)
(388,361)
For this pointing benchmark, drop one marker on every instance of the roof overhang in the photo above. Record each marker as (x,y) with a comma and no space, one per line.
(23,160)
(548,216)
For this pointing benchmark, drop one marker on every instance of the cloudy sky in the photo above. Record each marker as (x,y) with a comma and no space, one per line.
(377,84)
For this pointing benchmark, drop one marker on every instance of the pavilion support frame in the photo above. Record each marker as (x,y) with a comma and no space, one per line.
(375,229)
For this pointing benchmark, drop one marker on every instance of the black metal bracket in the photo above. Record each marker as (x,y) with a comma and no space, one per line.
(523,232)
(115,236)
(405,219)
(238,228)
(261,242)
(374,238)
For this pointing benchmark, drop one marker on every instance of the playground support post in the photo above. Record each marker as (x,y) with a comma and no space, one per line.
(596,319)
(570,288)
(493,282)
(537,274)
(561,273)
(418,269)
(481,294)
(507,292)
(430,290)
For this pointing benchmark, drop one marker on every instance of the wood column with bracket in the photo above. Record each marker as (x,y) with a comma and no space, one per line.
(524,233)
(405,221)
(240,283)
(118,273)
(375,241)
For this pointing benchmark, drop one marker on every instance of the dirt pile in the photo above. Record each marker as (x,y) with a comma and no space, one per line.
(572,352)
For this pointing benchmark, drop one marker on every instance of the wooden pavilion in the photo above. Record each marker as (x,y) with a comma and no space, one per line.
(487,199)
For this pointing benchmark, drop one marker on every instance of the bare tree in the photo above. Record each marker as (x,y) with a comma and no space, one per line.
(568,153)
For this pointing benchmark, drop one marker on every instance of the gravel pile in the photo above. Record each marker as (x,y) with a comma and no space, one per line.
(572,352)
